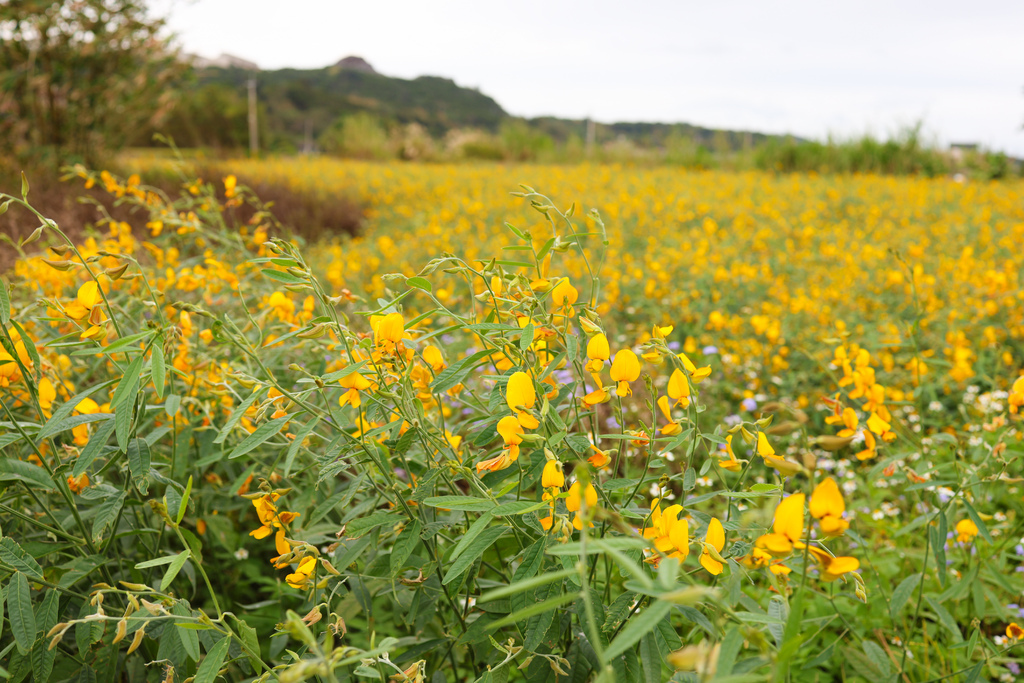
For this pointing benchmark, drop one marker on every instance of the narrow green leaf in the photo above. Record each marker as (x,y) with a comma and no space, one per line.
(650,658)
(92,449)
(117,346)
(158,367)
(527,584)
(293,449)
(533,610)
(729,650)
(139,460)
(638,626)
(5,303)
(14,555)
(978,521)
(474,530)
(207,672)
(251,643)
(52,425)
(266,431)
(419,283)
(236,415)
(128,384)
(19,611)
(106,513)
(23,471)
(457,372)
(282,276)
(157,562)
(902,593)
(172,571)
(404,545)
(183,505)
(478,548)
(467,503)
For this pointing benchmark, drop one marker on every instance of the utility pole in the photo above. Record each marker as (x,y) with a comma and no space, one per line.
(254,144)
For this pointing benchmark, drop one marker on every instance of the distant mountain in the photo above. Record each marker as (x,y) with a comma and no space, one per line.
(298,105)
(296,100)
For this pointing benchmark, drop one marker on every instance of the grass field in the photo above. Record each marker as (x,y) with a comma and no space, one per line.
(417,416)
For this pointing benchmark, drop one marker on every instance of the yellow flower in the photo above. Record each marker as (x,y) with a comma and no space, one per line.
(1016,398)
(672,427)
(714,539)
(564,295)
(520,397)
(827,507)
(763,447)
(47,394)
(730,463)
(600,459)
(598,395)
(553,477)
(1014,631)
(388,331)
(355,383)
(573,502)
(432,357)
(788,529)
(302,575)
(511,433)
(229,186)
(597,353)
(833,567)
(625,369)
(698,375)
(10,373)
(966,530)
(77,484)
(679,389)
(86,304)
(670,534)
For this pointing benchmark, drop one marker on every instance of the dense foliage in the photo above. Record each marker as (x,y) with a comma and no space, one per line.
(753,428)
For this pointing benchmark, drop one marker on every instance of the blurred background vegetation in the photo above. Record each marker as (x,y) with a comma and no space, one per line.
(87,80)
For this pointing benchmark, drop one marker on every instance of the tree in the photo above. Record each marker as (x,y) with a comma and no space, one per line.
(77,77)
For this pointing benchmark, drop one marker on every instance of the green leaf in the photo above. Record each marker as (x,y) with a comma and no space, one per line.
(183,504)
(945,618)
(265,431)
(527,584)
(533,610)
(978,521)
(52,425)
(14,555)
(878,657)
(650,658)
(637,627)
(358,527)
(172,404)
(207,672)
(5,303)
(20,470)
(902,593)
(475,529)
(172,571)
(467,503)
(517,507)
(123,421)
(475,550)
(282,276)
(157,562)
(159,368)
(404,545)
(128,384)
(236,415)
(138,463)
(457,372)
(527,337)
(20,614)
(250,640)
(419,283)
(106,513)
(293,449)
(728,651)
(92,449)
(117,346)
(189,638)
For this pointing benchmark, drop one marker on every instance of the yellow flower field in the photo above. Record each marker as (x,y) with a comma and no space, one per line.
(665,425)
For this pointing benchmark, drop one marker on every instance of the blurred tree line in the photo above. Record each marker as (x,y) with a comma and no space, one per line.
(78,78)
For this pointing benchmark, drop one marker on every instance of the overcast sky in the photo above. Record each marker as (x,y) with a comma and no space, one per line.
(807,68)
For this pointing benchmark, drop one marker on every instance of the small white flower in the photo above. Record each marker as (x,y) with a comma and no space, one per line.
(242,554)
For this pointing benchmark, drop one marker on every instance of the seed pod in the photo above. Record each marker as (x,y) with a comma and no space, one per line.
(122,631)
(36,234)
(137,639)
